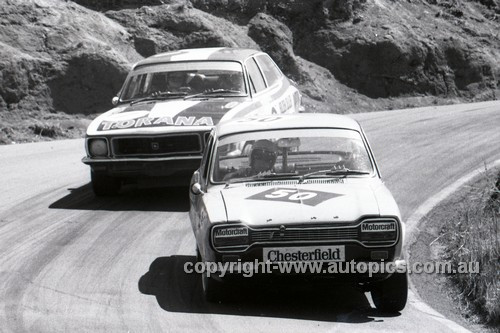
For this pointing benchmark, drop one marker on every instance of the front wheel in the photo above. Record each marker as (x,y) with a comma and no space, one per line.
(104,185)
(390,295)
(212,289)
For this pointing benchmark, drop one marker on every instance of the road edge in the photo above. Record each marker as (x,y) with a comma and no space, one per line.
(412,232)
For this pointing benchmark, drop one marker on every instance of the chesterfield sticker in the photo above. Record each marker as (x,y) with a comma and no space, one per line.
(156,122)
(307,197)
(304,254)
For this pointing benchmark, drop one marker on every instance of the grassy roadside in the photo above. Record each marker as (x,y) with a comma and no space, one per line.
(470,234)
(464,228)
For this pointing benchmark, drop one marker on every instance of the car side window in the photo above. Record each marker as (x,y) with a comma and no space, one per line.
(256,79)
(271,71)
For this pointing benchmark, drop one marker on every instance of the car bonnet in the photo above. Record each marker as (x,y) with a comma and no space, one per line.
(254,204)
(156,116)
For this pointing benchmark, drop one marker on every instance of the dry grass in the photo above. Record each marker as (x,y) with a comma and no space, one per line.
(471,235)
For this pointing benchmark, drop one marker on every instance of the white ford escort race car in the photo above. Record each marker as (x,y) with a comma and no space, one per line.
(297,188)
(168,105)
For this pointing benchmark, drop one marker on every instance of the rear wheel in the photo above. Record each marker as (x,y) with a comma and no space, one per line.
(104,185)
(391,294)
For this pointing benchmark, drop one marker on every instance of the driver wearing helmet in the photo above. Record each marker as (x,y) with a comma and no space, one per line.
(175,81)
(232,81)
(262,157)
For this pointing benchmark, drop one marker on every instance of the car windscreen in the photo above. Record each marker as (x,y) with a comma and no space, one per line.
(184,78)
(291,153)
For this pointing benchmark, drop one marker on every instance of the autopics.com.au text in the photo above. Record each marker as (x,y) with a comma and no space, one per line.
(249,269)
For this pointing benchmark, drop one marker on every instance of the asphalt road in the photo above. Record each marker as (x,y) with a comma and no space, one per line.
(72,262)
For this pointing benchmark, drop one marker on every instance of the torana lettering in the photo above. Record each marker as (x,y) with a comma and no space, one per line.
(155,122)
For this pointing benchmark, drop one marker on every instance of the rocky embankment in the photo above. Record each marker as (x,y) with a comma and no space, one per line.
(62,61)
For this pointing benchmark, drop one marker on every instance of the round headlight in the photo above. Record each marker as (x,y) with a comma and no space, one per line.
(98,147)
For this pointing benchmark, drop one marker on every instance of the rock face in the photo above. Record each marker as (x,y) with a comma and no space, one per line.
(178,25)
(276,39)
(382,48)
(60,56)
(346,55)
(399,57)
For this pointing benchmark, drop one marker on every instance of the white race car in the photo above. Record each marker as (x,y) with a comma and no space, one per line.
(297,188)
(168,105)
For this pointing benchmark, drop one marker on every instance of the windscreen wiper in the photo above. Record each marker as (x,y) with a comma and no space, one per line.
(335,172)
(273,175)
(215,92)
(160,95)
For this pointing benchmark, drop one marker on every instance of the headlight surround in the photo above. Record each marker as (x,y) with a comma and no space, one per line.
(98,147)
(229,236)
(378,231)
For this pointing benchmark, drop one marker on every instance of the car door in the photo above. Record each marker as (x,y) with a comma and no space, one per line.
(200,177)
(285,97)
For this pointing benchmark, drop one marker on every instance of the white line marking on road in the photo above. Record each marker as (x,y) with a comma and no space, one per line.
(411,234)
(414,220)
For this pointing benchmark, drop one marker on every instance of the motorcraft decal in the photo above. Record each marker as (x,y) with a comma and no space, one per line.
(291,195)
(231,232)
(378,226)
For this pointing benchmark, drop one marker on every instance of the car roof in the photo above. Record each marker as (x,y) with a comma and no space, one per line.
(209,53)
(288,121)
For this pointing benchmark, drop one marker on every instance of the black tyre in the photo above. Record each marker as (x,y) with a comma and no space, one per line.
(198,255)
(104,185)
(213,290)
(391,294)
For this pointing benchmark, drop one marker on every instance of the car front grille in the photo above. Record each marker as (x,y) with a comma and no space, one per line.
(158,145)
(341,232)
(320,234)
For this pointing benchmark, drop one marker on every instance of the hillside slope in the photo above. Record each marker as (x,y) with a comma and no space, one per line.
(62,61)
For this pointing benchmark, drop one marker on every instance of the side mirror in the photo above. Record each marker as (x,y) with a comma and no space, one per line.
(196,177)
(115,100)
(196,189)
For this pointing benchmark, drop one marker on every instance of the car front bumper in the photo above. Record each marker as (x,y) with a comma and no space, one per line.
(345,271)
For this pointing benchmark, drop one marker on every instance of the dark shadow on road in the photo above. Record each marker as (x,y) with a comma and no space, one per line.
(173,199)
(177,291)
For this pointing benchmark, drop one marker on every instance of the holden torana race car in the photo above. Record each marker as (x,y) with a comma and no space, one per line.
(168,105)
(296,188)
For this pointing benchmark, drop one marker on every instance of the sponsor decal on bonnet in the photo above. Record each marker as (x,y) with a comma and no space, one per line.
(156,122)
(168,113)
(306,197)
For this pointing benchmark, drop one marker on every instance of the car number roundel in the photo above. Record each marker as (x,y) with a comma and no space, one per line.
(307,197)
